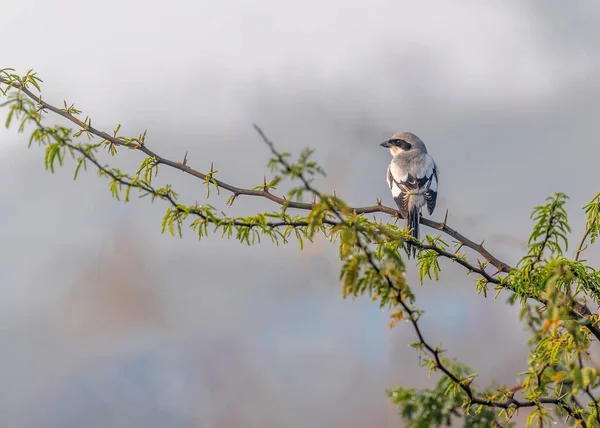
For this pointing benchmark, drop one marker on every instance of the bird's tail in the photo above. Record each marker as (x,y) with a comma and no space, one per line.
(413,224)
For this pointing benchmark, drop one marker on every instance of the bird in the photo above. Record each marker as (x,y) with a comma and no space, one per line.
(413,179)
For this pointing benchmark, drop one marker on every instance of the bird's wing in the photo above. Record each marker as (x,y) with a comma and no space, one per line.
(432,187)
(399,192)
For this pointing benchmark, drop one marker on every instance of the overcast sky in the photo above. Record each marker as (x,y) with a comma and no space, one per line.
(106,322)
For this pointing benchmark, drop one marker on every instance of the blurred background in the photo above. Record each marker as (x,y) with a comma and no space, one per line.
(106,322)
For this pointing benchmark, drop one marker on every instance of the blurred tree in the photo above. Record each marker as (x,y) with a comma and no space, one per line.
(552,290)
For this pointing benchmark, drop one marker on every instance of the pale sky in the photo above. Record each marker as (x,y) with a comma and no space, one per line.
(106,322)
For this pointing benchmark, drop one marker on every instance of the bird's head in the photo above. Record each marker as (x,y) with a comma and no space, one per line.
(403,142)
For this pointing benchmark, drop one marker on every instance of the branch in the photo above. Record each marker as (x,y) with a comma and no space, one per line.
(238,191)
(464,384)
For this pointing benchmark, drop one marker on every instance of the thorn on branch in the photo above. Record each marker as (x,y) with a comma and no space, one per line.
(459,248)
(40,105)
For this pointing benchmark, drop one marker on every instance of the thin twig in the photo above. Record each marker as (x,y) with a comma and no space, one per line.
(581,248)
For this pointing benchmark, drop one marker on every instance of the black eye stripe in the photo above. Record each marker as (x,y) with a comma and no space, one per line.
(400,143)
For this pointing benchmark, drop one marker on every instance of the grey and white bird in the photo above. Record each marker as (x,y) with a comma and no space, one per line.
(413,179)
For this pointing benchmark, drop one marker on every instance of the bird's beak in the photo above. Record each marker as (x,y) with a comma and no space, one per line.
(385,144)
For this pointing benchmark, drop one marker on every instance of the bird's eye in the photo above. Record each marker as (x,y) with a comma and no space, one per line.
(401,143)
